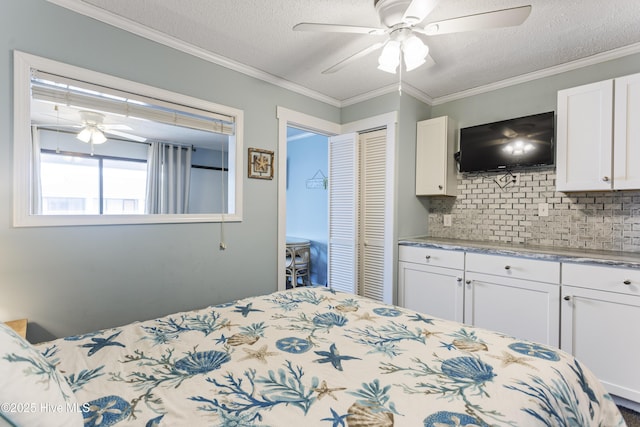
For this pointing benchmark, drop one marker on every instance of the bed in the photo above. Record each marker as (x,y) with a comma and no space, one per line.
(301,357)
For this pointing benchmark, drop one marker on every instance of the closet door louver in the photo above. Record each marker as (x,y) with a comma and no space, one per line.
(373,178)
(343,225)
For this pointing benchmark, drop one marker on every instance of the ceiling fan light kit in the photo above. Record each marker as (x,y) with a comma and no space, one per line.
(91,134)
(403,20)
(411,49)
(389,59)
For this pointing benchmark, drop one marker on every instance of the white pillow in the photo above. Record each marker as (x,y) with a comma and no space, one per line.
(32,391)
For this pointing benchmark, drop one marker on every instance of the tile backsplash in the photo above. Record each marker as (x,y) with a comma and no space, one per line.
(497,207)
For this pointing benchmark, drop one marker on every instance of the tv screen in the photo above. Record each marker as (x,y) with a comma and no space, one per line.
(508,144)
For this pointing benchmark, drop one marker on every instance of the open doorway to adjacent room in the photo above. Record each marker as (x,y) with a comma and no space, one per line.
(307,207)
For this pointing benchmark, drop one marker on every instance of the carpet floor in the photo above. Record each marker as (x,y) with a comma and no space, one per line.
(632,418)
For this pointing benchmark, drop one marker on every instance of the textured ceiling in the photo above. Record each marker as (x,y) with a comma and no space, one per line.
(258,34)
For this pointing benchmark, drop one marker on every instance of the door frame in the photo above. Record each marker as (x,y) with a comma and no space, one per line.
(286,118)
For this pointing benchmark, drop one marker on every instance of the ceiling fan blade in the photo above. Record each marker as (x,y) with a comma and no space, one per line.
(116,127)
(496,19)
(418,10)
(429,61)
(508,132)
(336,28)
(364,52)
(125,135)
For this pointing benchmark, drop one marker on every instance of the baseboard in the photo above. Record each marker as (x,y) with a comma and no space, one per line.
(621,401)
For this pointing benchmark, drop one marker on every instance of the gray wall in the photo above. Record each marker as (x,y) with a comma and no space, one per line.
(484,211)
(308,203)
(409,210)
(69,280)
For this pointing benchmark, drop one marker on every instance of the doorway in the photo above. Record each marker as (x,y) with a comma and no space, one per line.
(307,201)
(289,118)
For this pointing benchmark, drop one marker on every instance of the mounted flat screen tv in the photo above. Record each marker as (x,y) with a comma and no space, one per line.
(508,144)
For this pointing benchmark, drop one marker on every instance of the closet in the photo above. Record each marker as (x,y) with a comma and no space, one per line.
(360,214)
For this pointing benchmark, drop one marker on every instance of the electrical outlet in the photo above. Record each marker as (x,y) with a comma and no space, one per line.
(448,219)
(543,209)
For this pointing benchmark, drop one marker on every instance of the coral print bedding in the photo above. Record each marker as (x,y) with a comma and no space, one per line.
(313,357)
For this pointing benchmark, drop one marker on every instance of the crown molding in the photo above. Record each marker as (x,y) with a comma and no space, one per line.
(546,72)
(172,42)
(406,88)
(120,22)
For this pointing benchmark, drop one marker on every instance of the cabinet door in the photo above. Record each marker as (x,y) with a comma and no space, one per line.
(585,137)
(626,145)
(520,308)
(435,165)
(435,291)
(600,329)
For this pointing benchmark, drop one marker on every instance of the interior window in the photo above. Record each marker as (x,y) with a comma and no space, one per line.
(95,149)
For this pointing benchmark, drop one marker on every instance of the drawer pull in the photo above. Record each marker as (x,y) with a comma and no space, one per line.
(567,298)
(627,282)
(507,267)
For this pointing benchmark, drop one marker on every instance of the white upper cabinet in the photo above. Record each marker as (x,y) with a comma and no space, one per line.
(597,139)
(626,133)
(436,173)
(585,129)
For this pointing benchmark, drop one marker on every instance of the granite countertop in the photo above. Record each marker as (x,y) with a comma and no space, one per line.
(584,256)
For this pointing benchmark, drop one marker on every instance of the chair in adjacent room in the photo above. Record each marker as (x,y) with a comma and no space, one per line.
(298,263)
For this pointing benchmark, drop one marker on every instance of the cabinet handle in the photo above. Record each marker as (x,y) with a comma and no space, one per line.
(427,257)
(459,279)
(567,298)
(507,267)
(627,282)
(440,187)
(605,178)
(468,282)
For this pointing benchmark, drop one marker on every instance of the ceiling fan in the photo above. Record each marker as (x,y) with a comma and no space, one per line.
(520,139)
(93,129)
(402,20)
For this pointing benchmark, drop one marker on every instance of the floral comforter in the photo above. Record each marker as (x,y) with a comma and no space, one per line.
(313,357)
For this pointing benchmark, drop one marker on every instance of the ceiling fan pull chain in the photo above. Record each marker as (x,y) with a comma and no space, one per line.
(57,129)
(400,77)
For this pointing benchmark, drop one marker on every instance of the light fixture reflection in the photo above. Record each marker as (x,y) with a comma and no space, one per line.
(518,147)
(91,134)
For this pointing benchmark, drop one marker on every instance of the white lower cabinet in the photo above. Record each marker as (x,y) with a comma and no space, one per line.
(431,281)
(516,296)
(600,319)
(593,313)
(494,297)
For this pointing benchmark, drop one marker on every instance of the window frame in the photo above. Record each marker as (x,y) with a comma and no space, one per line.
(24,63)
(100,158)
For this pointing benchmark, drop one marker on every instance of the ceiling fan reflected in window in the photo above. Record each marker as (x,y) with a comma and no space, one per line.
(91,133)
(402,20)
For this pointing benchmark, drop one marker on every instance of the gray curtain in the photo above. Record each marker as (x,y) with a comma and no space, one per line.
(168,178)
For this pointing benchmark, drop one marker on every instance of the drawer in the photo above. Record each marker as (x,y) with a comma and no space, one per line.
(430,256)
(515,267)
(603,278)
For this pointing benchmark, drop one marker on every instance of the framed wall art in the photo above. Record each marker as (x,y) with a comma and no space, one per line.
(260,163)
